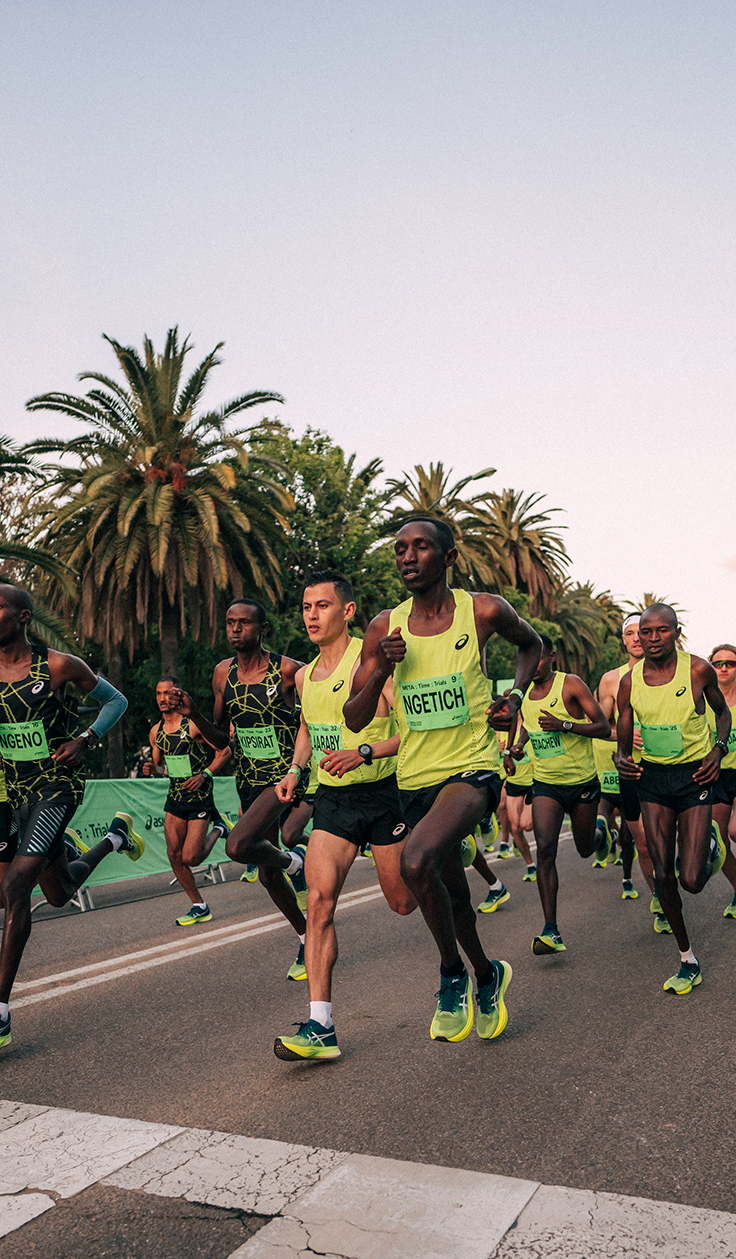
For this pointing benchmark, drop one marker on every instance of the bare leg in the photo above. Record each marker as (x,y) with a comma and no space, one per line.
(175,834)
(252,841)
(481,865)
(388,867)
(516,805)
(659,825)
(327,863)
(548,815)
(627,848)
(582,822)
(199,842)
(725,816)
(292,829)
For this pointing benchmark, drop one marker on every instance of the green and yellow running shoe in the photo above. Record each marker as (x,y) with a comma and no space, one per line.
(492,1012)
(603,834)
(661,925)
(133,844)
(74,845)
(614,857)
(469,849)
(654,905)
(5,1037)
(453,1018)
(298,881)
(221,824)
(504,851)
(548,942)
(249,875)
(489,829)
(687,978)
(531,875)
(629,892)
(493,900)
(730,910)
(718,850)
(198,913)
(298,970)
(312,1041)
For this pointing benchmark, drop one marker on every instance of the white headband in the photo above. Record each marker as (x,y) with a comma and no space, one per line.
(635,616)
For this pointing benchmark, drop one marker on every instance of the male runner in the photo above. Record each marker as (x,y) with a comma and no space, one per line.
(561,718)
(666,693)
(255,692)
(433,644)
(723,659)
(180,750)
(357,800)
(518,785)
(42,757)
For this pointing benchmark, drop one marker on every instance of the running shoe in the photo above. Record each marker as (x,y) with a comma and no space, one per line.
(730,910)
(298,881)
(74,845)
(492,1012)
(718,850)
(504,851)
(453,1018)
(249,875)
(469,849)
(603,834)
(531,875)
(615,858)
(133,844)
(311,1040)
(654,905)
(661,925)
(548,942)
(629,892)
(198,913)
(493,900)
(298,970)
(687,978)
(5,1037)
(221,824)
(489,829)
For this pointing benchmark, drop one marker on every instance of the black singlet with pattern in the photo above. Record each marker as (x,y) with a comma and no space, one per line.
(178,745)
(35,721)
(265,725)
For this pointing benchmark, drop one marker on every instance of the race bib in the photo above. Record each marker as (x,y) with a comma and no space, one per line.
(609,782)
(325,737)
(435,703)
(178,766)
(662,740)
(731,739)
(23,741)
(259,742)
(547,743)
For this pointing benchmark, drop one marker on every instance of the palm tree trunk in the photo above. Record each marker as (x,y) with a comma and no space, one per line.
(169,639)
(115,747)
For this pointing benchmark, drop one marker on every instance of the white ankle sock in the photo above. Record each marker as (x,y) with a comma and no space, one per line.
(321,1012)
(115,840)
(199,905)
(296,863)
(303,939)
(495,887)
(4,1011)
(688,957)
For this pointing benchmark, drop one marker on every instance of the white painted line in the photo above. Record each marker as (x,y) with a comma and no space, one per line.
(350,898)
(203,947)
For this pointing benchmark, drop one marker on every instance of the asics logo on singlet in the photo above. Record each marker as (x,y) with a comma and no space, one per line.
(337,685)
(398,830)
(552,703)
(681,691)
(35,689)
(462,640)
(271,691)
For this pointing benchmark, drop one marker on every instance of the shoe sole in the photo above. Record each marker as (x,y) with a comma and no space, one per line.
(136,838)
(629,896)
(502,1011)
(529,878)
(5,1040)
(541,949)
(77,840)
(192,922)
(662,931)
(297,978)
(286,1054)
(249,878)
(728,913)
(682,992)
(491,909)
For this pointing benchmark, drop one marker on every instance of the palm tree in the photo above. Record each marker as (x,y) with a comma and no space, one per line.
(160,509)
(527,551)
(583,620)
(430,494)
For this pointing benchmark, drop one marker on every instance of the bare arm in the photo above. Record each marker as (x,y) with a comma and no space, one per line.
(575,694)
(494,615)
(622,758)
(379,656)
(153,768)
(220,716)
(705,674)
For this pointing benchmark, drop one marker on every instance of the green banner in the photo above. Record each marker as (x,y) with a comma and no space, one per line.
(143,799)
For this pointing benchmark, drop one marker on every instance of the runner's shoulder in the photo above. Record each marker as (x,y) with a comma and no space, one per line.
(290,668)
(63,667)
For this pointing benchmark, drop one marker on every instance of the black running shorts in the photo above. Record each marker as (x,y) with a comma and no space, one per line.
(362,813)
(40,825)
(630,807)
(190,812)
(416,804)
(568,794)
(673,786)
(516,789)
(725,788)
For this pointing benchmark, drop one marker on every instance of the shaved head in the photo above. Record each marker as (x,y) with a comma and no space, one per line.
(661,610)
(20,599)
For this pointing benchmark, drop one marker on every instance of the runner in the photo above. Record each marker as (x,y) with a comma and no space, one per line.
(181,751)
(564,777)
(433,645)
(357,800)
(42,756)
(518,787)
(666,692)
(723,659)
(255,692)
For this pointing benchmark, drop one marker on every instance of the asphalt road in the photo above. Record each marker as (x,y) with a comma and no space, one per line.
(601,1080)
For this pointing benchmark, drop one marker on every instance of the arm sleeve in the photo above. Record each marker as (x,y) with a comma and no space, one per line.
(113,706)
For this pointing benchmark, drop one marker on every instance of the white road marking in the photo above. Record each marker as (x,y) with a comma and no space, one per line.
(172,952)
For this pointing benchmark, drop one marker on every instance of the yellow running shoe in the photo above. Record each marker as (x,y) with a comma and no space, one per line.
(492,1012)
(687,978)
(453,1018)
(469,850)
(297,970)
(198,913)
(629,891)
(133,844)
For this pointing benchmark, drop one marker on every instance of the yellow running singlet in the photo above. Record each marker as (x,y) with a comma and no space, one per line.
(673,732)
(557,757)
(322,705)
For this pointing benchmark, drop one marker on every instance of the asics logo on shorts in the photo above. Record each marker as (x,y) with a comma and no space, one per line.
(681,691)
(398,830)
(201,815)
(462,640)
(703,795)
(585,795)
(337,685)
(2,846)
(35,689)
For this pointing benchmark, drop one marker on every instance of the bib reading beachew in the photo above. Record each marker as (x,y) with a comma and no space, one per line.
(23,741)
(325,736)
(547,743)
(435,703)
(178,766)
(662,740)
(259,742)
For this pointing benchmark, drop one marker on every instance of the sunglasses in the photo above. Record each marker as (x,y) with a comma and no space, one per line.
(724,664)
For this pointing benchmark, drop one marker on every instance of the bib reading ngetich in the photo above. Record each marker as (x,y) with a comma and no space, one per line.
(322,705)
(440,699)
(34,722)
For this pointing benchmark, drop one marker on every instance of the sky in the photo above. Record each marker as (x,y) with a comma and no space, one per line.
(489,233)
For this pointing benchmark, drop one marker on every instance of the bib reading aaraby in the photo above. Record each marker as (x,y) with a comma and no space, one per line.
(259,742)
(547,743)
(178,766)
(435,703)
(662,740)
(325,736)
(23,741)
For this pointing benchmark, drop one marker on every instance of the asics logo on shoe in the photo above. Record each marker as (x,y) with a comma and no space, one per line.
(337,685)
(462,640)
(35,689)
(681,691)
(398,830)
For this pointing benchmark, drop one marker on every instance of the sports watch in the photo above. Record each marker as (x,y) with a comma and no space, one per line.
(366,751)
(567,726)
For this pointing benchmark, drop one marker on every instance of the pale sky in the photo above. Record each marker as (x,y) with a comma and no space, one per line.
(488,233)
